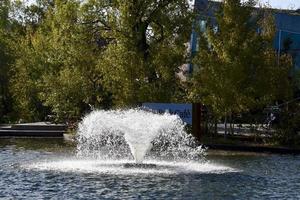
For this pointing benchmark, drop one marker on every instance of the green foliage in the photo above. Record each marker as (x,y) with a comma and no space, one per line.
(56,67)
(61,57)
(146,49)
(6,59)
(237,67)
(296,81)
(4,11)
(24,83)
(288,128)
(64,93)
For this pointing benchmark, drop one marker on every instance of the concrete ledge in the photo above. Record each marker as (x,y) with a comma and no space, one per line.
(257,149)
(30,133)
(38,129)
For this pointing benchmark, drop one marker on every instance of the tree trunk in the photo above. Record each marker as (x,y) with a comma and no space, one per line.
(216,127)
(225,124)
(231,125)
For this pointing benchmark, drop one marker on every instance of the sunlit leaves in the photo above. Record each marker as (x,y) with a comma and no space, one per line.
(239,71)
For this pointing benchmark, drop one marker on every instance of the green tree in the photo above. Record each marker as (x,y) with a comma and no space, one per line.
(6,59)
(56,66)
(72,55)
(146,48)
(237,66)
(4,11)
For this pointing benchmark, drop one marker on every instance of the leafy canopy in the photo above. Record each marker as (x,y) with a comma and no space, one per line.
(237,66)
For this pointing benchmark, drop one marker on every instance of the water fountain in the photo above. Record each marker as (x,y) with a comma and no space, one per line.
(135,133)
(133,141)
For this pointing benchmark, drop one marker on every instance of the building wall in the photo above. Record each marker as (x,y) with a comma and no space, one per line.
(202,7)
(287,37)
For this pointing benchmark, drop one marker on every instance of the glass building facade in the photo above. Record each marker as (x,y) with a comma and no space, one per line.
(287,39)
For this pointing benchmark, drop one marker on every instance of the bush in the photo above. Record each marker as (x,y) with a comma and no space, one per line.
(288,128)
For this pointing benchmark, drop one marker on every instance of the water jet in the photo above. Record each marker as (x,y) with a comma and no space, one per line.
(135,134)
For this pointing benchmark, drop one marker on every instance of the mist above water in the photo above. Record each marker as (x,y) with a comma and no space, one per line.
(135,134)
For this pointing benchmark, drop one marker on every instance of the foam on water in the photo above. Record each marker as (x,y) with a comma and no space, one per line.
(117,167)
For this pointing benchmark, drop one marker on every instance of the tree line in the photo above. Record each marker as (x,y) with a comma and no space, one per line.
(60,58)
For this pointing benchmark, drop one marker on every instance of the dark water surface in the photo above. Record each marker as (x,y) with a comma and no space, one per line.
(256,176)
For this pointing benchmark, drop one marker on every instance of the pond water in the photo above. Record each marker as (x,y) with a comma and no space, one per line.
(48,169)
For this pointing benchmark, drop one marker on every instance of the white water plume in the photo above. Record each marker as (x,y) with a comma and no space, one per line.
(123,134)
